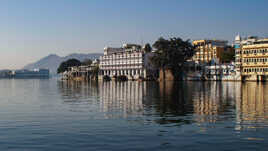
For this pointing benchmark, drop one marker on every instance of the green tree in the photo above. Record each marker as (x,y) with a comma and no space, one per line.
(69,63)
(172,54)
(147,48)
(87,62)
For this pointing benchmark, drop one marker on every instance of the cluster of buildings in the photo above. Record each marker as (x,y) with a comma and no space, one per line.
(83,72)
(132,61)
(249,61)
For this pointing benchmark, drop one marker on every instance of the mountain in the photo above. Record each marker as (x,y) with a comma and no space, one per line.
(53,61)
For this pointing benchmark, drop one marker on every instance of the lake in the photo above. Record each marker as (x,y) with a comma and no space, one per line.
(47,114)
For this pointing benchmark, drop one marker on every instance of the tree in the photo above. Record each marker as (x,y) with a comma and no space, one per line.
(228,55)
(69,63)
(147,48)
(95,71)
(172,54)
(87,62)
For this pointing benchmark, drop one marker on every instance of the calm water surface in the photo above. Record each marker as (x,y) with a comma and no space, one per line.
(50,115)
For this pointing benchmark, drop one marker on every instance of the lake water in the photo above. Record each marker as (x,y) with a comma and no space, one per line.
(47,114)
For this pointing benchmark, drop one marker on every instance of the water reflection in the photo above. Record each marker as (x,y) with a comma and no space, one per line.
(252,108)
(214,100)
(122,98)
(74,91)
(173,103)
(79,96)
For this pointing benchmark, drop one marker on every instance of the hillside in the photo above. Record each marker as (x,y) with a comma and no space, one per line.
(53,61)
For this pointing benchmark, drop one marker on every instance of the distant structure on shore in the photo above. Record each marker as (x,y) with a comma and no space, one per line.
(36,73)
(53,61)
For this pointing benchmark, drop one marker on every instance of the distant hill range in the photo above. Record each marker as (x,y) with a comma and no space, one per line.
(53,61)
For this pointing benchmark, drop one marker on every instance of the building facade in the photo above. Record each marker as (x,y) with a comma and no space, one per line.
(255,60)
(238,53)
(208,50)
(130,60)
(238,46)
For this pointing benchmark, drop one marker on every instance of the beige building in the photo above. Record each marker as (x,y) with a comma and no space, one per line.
(207,50)
(238,45)
(255,60)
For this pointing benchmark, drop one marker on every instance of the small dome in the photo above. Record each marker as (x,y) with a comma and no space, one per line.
(238,38)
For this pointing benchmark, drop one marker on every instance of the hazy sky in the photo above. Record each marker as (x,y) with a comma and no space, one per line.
(32,29)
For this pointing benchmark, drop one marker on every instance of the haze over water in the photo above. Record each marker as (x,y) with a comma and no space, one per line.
(47,114)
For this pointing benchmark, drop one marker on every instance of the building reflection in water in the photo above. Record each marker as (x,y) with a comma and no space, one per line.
(169,102)
(212,99)
(252,108)
(122,98)
(174,99)
(79,96)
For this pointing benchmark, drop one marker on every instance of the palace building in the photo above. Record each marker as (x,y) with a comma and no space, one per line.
(252,58)
(255,60)
(130,60)
(238,45)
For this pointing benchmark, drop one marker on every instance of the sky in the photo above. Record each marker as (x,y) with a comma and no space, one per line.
(32,29)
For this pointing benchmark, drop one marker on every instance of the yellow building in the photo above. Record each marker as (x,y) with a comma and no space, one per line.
(206,50)
(255,60)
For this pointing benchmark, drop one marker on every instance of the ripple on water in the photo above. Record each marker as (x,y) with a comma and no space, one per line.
(47,114)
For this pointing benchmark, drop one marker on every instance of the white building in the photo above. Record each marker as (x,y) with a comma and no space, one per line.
(238,44)
(130,60)
(221,72)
